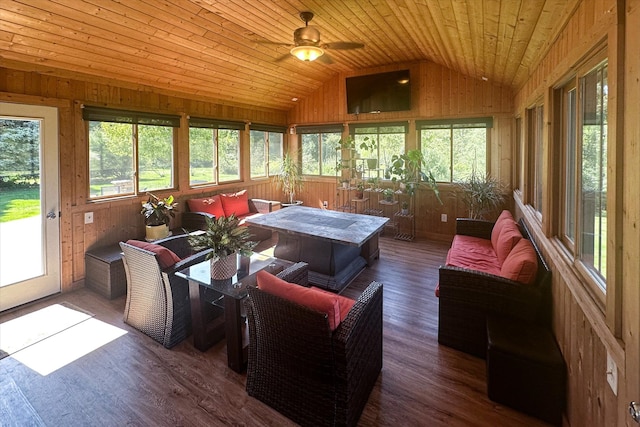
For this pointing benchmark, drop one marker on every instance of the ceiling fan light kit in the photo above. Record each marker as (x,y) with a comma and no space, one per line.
(307,53)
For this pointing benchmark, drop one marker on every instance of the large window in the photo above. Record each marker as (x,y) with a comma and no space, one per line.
(535,127)
(129,152)
(593,180)
(454,148)
(388,139)
(319,146)
(266,144)
(583,219)
(214,151)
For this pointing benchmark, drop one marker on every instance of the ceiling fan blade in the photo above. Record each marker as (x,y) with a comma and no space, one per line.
(283,57)
(325,59)
(343,45)
(273,43)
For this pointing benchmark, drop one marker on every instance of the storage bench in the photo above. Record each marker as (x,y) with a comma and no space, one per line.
(525,368)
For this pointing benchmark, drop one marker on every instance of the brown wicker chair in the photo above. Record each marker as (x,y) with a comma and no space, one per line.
(299,367)
(157,300)
(468,296)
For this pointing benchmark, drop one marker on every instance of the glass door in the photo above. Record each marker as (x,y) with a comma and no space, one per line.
(29,204)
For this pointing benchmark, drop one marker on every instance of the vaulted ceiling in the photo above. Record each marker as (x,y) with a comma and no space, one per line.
(235,51)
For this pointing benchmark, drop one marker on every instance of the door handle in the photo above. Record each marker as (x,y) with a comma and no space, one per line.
(634,411)
(51,215)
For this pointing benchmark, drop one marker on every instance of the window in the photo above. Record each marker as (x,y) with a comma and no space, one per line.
(129,152)
(535,126)
(453,148)
(319,146)
(388,139)
(266,144)
(214,151)
(593,167)
(583,178)
(519,149)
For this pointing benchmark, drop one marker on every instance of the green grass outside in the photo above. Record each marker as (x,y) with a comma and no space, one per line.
(19,203)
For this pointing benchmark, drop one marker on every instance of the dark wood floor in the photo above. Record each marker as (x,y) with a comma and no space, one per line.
(135,381)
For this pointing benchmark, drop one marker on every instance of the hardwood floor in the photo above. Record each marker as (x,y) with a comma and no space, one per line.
(135,381)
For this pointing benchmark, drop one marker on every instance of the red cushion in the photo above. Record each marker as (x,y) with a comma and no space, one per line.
(319,301)
(522,264)
(166,258)
(473,253)
(212,205)
(235,203)
(345,303)
(509,236)
(504,217)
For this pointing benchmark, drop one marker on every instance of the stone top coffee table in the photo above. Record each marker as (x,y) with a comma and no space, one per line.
(336,245)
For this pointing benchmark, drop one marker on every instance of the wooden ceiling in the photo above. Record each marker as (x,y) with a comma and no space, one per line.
(229,50)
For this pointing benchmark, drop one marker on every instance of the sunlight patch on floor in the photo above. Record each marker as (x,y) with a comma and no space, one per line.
(61,349)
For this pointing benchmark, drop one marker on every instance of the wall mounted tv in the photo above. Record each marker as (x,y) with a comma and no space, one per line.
(376,93)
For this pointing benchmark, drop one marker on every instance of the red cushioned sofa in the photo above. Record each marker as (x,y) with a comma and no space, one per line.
(225,204)
(491,268)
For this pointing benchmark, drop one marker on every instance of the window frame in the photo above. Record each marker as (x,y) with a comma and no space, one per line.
(269,166)
(451,125)
(215,126)
(320,131)
(134,119)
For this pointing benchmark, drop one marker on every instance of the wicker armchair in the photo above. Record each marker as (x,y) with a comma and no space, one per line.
(309,373)
(467,296)
(157,300)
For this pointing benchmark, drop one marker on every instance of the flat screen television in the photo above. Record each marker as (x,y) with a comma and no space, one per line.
(376,93)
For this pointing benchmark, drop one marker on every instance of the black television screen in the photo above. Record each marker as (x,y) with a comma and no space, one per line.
(376,93)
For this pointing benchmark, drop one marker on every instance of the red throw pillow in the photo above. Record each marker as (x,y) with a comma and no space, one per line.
(212,205)
(235,203)
(509,236)
(166,258)
(522,264)
(504,217)
(308,297)
(345,303)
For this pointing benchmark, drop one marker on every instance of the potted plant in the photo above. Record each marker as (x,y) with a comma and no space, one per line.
(157,215)
(387,193)
(481,194)
(360,190)
(290,178)
(404,210)
(407,170)
(369,146)
(225,238)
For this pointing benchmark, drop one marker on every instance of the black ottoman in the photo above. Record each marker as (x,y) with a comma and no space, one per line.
(525,369)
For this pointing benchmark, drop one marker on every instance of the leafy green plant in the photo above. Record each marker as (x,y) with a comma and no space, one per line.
(387,193)
(408,170)
(158,211)
(224,236)
(290,177)
(481,194)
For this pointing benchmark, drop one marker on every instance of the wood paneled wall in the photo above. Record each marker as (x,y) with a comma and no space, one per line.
(584,332)
(117,219)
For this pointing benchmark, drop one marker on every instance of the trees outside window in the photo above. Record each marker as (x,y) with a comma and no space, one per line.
(129,152)
(384,140)
(453,149)
(266,149)
(214,151)
(319,149)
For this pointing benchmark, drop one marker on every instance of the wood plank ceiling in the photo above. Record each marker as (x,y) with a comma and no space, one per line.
(230,50)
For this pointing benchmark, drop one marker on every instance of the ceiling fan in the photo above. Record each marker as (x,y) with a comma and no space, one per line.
(307,45)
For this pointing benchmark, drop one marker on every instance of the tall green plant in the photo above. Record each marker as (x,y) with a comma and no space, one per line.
(408,169)
(290,177)
(482,194)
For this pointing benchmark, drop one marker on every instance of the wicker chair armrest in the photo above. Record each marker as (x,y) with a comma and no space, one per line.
(261,205)
(488,293)
(297,273)
(474,227)
(189,261)
(195,220)
(361,321)
(178,244)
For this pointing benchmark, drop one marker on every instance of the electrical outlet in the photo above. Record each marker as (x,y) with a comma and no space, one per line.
(443,217)
(612,374)
(325,203)
(88,217)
